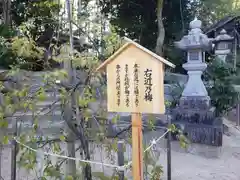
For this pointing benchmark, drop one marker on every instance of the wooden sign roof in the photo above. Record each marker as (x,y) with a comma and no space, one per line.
(135,80)
(128,44)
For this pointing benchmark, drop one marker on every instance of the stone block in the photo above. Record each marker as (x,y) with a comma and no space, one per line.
(195,102)
(197,120)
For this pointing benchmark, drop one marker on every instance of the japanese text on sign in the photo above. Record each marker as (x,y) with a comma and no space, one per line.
(148,85)
(118,86)
(127,86)
(136,84)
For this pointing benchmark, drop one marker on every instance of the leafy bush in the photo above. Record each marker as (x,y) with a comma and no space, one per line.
(220,88)
(7,57)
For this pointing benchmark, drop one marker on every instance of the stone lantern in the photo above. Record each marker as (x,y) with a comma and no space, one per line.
(194,113)
(222,45)
(195,43)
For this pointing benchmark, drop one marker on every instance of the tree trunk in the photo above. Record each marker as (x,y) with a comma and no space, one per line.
(70,106)
(161,30)
(6,6)
(88,169)
(83,139)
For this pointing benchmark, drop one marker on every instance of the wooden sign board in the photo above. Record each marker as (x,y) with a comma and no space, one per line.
(135,80)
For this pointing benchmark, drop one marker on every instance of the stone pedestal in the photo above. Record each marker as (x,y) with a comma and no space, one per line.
(197,119)
(195,86)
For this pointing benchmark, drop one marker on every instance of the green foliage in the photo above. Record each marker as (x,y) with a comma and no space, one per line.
(21,51)
(5,140)
(35,22)
(26,48)
(62,138)
(6,55)
(69,178)
(112,43)
(220,86)
(210,11)
(51,171)
(41,13)
(176,92)
(156,173)
(151,168)
(138,20)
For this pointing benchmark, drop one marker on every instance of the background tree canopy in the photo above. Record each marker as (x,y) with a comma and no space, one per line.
(138,20)
(34,20)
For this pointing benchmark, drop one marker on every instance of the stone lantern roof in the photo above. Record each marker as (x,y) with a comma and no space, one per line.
(223,36)
(195,38)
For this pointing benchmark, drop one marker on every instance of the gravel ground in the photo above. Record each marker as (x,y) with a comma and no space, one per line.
(185,166)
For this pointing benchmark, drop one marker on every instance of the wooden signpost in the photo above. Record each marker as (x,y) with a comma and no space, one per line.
(135,84)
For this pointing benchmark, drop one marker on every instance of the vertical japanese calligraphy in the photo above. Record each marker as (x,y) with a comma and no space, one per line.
(136,84)
(126,85)
(118,84)
(148,85)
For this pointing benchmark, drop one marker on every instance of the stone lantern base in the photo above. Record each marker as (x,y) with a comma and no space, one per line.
(197,119)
